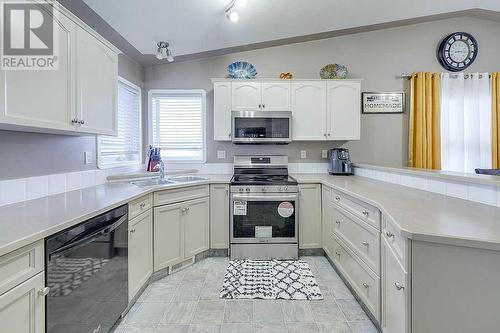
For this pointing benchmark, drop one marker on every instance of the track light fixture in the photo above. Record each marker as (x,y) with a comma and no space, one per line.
(230,11)
(164,52)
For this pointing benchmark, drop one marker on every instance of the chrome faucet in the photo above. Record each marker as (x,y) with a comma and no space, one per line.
(161,169)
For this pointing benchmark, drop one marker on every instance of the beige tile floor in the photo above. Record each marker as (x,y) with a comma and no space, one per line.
(188,302)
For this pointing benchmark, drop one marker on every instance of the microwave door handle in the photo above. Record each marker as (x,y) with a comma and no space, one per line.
(89,238)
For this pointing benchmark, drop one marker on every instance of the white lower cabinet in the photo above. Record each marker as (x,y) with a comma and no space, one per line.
(196,226)
(361,278)
(219,216)
(22,309)
(327,220)
(395,302)
(180,231)
(310,216)
(140,258)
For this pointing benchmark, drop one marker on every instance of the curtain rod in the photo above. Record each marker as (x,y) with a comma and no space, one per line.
(406,76)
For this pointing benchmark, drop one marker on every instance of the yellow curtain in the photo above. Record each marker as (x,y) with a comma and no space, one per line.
(495,130)
(424,132)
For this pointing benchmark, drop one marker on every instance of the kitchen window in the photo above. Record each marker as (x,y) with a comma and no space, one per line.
(125,148)
(177,124)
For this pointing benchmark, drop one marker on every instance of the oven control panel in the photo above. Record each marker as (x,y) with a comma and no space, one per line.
(265,189)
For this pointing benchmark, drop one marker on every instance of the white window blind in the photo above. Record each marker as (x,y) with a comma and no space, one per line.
(177,124)
(125,148)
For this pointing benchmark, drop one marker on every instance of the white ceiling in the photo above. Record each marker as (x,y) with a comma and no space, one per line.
(193,26)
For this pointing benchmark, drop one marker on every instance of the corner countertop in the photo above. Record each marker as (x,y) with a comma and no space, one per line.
(29,221)
(422,215)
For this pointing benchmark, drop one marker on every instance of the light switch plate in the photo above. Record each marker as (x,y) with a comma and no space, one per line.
(303,154)
(324,153)
(221,154)
(88,157)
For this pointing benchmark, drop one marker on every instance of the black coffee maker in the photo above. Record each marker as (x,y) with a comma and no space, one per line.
(340,164)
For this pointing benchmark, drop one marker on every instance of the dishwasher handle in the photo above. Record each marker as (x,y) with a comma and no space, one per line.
(89,238)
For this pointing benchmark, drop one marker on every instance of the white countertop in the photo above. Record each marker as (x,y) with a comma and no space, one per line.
(420,215)
(26,222)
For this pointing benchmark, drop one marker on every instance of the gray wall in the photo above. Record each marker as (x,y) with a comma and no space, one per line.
(34,154)
(377,57)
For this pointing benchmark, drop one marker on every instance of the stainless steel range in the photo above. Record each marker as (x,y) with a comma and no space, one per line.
(264,203)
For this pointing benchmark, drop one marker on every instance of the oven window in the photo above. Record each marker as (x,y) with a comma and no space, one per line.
(271,128)
(262,214)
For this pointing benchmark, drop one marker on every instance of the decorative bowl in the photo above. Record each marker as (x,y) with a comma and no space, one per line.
(286,76)
(241,70)
(333,71)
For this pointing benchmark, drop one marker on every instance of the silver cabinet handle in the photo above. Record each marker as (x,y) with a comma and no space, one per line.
(132,230)
(389,234)
(365,213)
(365,243)
(366,285)
(337,221)
(263,106)
(337,253)
(142,205)
(337,198)
(73,121)
(329,134)
(44,292)
(399,286)
(260,106)
(229,135)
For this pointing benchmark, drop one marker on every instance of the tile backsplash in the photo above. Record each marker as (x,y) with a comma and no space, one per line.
(482,193)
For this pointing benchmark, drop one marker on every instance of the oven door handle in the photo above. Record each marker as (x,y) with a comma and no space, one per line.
(265,198)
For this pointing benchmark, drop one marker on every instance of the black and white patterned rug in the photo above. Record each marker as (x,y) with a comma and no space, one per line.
(270,279)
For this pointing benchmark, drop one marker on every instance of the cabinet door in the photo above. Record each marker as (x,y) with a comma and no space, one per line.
(327,220)
(276,96)
(344,110)
(196,226)
(140,252)
(42,99)
(219,216)
(168,235)
(395,291)
(22,309)
(309,110)
(246,96)
(97,79)
(222,111)
(310,216)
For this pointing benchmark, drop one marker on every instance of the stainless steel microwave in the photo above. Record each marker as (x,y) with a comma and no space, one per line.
(261,127)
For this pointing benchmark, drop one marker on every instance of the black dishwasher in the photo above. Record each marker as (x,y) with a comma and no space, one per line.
(87,273)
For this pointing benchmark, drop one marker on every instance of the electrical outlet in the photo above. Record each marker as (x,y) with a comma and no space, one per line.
(303,154)
(88,157)
(221,154)
(324,153)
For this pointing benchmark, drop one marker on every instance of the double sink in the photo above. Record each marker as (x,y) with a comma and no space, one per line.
(168,181)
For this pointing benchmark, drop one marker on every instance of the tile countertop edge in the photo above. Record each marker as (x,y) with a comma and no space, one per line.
(12,245)
(447,175)
(412,235)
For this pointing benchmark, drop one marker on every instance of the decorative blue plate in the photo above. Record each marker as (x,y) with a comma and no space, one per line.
(241,70)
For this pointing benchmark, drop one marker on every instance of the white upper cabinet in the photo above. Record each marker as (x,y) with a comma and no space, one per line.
(222,111)
(344,110)
(41,98)
(97,79)
(275,96)
(246,96)
(309,120)
(78,97)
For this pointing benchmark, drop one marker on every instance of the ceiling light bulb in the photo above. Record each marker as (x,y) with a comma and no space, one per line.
(234,16)
(242,3)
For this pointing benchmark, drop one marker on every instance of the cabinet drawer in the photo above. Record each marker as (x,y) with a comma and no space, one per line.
(360,209)
(180,194)
(138,206)
(365,282)
(20,265)
(396,241)
(363,239)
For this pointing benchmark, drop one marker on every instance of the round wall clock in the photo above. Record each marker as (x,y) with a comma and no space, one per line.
(457,51)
